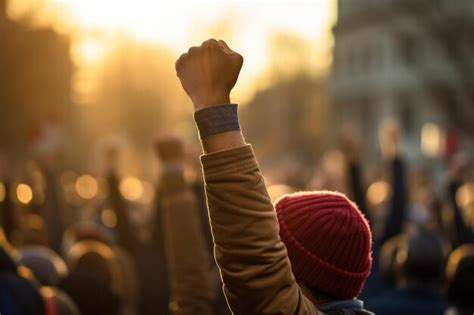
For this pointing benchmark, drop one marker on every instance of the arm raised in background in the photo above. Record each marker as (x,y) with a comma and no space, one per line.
(350,144)
(8,215)
(252,259)
(125,231)
(390,138)
(187,256)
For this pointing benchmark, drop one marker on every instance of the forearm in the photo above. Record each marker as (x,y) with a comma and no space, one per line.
(124,227)
(187,257)
(254,266)
(223,141)
(357,187)
(397,212)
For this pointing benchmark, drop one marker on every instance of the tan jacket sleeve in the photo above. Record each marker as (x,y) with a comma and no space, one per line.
(186,254)
(252,259)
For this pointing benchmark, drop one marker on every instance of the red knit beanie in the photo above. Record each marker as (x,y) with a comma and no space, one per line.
(328,241)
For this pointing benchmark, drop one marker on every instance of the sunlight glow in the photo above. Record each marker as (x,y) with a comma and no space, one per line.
(89,51)
(248,27)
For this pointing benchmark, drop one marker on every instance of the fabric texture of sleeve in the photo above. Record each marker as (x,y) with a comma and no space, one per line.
(252,259)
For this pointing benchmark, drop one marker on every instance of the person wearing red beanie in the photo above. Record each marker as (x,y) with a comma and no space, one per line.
(328,242)
(308,254)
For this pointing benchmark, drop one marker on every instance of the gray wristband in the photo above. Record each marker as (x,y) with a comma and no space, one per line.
(217,119)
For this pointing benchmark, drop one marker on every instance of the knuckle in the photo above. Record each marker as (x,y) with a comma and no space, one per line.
(239,59)
(193,50)
(210,43)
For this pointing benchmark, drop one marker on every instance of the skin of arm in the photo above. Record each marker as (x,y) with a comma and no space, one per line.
(252,259)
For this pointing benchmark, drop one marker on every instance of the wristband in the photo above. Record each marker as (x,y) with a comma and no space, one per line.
(217,119)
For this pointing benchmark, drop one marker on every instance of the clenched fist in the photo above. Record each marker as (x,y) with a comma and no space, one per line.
(170,149)
(209,72)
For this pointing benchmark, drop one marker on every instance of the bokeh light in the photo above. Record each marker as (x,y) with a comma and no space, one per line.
(378,192)
(24,193)
(109,218)
(87,187)
(431,140)
(131,188)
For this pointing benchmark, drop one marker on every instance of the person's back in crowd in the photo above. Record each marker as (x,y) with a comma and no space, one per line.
(420,259)
(308,254)
(19,295)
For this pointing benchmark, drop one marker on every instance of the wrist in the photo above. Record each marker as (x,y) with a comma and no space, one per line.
(219,127)
(210,100)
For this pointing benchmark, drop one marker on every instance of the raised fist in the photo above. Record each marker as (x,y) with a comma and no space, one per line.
(350,142)
(209,72)
(389,137)
(170,149)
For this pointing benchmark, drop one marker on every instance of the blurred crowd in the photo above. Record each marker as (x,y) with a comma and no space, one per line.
(76,245)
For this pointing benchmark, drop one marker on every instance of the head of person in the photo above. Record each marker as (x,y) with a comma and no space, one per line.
(85,231)
(47,266)
(33,230)
(94,282)
(460,277)
(421,258)
(329,243)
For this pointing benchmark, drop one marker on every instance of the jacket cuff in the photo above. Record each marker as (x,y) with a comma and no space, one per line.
(234,160)
(217,119)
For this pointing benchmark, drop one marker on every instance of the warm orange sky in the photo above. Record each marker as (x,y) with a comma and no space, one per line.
(178,24)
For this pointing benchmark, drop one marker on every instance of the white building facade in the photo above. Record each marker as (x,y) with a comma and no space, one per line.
(385,66)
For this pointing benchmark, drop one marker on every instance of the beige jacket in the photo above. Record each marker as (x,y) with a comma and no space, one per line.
(187,257)
(252,259)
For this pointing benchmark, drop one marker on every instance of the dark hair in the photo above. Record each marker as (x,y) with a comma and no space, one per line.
(422,257)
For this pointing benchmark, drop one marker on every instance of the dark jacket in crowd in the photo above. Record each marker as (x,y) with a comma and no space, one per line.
(408,301)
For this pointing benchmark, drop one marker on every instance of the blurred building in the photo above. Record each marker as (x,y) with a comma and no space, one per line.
(390,62)
(287,122)
(35,83)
